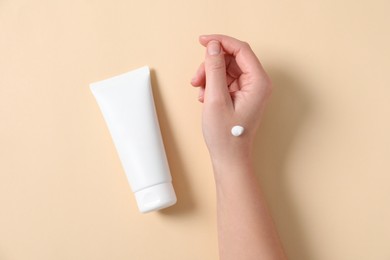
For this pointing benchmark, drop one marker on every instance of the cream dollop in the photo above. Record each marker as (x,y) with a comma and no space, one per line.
(237,130)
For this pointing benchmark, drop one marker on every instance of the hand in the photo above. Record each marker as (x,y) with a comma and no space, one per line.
(234,88)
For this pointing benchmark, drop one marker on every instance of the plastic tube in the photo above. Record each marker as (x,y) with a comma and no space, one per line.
(126,102)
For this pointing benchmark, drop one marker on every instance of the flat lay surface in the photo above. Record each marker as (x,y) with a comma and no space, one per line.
(322,151)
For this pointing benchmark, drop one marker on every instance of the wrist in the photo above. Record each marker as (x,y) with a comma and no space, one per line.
(233,149)
(229,164)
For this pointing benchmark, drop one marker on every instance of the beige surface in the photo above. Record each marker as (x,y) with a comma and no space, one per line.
(322,155)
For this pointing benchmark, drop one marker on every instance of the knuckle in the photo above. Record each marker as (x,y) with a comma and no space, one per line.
(245,45)
(265,86)
(217,101)
(216,65)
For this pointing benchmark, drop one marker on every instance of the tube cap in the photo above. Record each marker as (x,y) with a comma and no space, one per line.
(155,197)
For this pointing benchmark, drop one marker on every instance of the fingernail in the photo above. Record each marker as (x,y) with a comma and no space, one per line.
(213,48)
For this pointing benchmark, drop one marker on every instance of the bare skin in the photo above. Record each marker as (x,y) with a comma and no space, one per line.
(233,89)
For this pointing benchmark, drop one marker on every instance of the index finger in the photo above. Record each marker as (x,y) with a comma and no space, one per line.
(245,57)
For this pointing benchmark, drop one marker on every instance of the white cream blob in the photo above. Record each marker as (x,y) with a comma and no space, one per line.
(237,130)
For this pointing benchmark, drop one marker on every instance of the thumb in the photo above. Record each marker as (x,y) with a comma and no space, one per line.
(215,67)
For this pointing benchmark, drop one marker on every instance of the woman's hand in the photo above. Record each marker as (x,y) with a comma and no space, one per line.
(234,88)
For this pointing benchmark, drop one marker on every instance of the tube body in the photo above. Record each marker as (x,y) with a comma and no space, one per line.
(126,102)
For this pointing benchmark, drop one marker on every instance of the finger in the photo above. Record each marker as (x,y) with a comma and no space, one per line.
(232,72)
(229,79)
(199,78)
(216,85)
(201,94)
(233,87)
(245,57)
(232,68)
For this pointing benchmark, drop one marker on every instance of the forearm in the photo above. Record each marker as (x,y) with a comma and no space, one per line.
(245,226)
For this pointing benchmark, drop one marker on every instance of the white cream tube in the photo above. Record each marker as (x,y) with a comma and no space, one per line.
(126,102)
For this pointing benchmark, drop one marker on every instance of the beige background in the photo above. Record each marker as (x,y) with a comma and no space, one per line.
(322,154)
